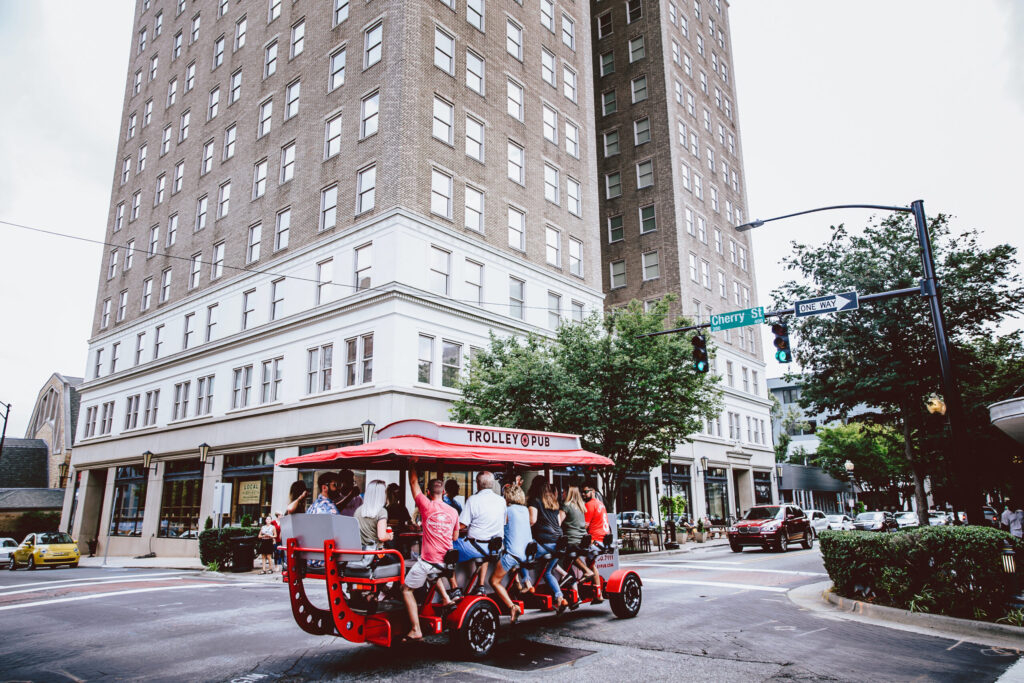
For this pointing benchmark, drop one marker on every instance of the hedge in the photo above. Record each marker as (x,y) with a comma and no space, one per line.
(214,544)
(957,571)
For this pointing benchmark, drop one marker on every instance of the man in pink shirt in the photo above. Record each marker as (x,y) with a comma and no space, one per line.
(440,525)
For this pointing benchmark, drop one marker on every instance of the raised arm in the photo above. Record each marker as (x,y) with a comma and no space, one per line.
(414,484)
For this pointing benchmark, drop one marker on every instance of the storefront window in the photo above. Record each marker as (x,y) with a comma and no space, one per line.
(675,482)
(182,493)
(716,493)
(74,501)
(635,494)
(762,488)
(129,501)
(251,476)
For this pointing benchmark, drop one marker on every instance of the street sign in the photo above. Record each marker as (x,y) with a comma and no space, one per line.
(832,303)
(741,318)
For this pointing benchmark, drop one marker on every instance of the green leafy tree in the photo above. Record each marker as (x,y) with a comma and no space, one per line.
(630,398)
(884,353)
(791,421)
(876,452)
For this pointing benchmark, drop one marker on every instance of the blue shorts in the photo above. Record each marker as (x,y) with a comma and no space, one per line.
(467,551)
(508,563)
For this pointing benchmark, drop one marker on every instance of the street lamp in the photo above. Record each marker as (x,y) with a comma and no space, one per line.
(930,290)
(147,459)
(848,465)
(778,474)
(62,473)
(204,455)
(368,428)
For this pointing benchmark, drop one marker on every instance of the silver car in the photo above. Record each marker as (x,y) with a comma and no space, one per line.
(7,546)
(840,522)
(907,520)
(819,521)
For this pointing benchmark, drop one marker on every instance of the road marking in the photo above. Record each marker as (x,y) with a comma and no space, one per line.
(93,596)
(807,633)
(98,579)
(87,584)
(696,565)
(953,645)
(633,562)
(1014,673)
(717,584)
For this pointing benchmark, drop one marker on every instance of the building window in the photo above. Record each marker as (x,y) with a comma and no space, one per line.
(639,86)
(444,51)
(569,83)
(651,268)
(554,310)
(204,395)
(516,229)
(241,387)
(276,298)
(340,11)
(553,246)
(259,179)
(230,136)
(179,177)
(515,100)
(444,121)
(271,379)
(218,52)
(217,267)
(324,279)
(642,131)
(441,194)
(287,162)
(366,186)
(282,229)
(426,359)
(266,120)
(634,10)
(611,143)
(608,104)
(705,269)
(291,99)
(604,24)
(475,281)
(475,72)
(165,285)
(552,183)
(328,207)
(547,67)
(240,30)
(248,308)
(568,31)
(147,293)
(637,50)
(122,305)
(645,174)
(474,209)
(298,38)
(182,495)
(440,270)
(573,192)
(129,496)
(373,45)
(613,185)
(550,124)
(516,297)
(475,13)
(648,223)
(547,14)
(451,363)
(319,363)
(224,200)
(359,360)
(607,63)
(514,39)
(369,115)
(332,137)
(617,271)
(516,163)
(195,264)
(572,139)
(131,412)
(337,74)
(270,60)
(363,266)
(474,138)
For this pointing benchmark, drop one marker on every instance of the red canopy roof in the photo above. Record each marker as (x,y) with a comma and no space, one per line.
(399,451)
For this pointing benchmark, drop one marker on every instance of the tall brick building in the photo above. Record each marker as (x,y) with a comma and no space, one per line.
(320,209)
(671,190)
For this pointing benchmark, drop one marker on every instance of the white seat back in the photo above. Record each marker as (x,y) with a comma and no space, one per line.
(310,531)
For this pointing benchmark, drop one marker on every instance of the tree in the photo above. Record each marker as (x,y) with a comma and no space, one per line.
(791,421)
(876,452)
(630,398)
(884,353)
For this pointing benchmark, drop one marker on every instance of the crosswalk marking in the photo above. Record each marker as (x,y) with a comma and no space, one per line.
(716,584)
(701,565)
(94,596)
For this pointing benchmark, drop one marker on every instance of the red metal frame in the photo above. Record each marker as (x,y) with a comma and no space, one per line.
(614,583)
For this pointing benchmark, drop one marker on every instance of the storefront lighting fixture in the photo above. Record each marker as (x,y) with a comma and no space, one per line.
(368,429)
(704,464)
(62,473)
(204,455)
(147,459)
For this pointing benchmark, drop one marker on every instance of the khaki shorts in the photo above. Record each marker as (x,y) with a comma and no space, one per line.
(417,576)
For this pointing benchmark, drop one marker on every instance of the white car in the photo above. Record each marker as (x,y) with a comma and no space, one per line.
(839,522)
(819,521)
(907,520)
(7,546)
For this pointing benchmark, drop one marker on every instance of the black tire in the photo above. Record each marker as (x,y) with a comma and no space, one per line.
(31,563)
(808,541)
(626,603)
(479,631)
(736,548)
(783,544)
(73,566)
(13,565)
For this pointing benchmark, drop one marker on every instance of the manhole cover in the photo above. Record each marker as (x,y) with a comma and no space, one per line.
(529,655)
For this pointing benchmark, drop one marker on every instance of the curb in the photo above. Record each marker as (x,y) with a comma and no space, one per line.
(964,627)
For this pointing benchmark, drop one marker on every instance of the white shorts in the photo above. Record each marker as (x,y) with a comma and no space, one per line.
(417,576)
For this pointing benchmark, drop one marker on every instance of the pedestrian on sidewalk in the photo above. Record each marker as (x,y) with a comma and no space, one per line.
(1017,523)
(278,553)
(266,546)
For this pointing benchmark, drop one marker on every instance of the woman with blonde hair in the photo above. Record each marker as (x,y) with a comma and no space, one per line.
(372,516)
(517,537)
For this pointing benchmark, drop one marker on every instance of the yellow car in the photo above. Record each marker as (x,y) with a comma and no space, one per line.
(48,549)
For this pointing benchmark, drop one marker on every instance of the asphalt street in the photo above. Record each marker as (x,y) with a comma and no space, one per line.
(708,615)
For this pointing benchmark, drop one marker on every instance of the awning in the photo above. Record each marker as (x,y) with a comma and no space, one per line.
(399,452)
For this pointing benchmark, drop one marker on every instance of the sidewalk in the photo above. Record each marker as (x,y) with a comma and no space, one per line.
(683,548)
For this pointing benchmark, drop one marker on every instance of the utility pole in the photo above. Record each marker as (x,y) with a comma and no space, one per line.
(3,434)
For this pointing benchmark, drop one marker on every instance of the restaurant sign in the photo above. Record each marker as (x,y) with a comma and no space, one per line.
(471,435)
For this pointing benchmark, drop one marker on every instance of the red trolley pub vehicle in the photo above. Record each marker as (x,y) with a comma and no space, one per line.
(363,587)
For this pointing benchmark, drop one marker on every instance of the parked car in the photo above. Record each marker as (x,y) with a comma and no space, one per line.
(6,546)
(48,549)
(990,515)
(875,521)
(819,521)
(907,519)
(635,519)
(771,526)
(939,518)
(840,522)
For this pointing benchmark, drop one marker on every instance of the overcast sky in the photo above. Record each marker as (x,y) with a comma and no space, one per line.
(870,101)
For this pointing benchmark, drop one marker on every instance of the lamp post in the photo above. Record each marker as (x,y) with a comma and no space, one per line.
(62,473)
(778,475)
(368,429)
(848,465)
(147,460)
(204,455)
(704,477)
(930,290)
(3,434)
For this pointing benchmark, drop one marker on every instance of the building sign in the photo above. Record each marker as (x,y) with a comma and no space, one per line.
(470,435)
(249,492)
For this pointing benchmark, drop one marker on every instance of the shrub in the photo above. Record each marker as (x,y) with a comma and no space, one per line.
(946,570)
(215,544)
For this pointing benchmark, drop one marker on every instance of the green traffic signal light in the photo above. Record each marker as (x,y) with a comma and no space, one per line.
(784,354)
(700,353)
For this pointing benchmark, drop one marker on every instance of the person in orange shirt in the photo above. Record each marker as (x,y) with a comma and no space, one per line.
(596,518)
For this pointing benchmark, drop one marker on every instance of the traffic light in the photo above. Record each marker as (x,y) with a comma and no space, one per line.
(784,352)
(700,353)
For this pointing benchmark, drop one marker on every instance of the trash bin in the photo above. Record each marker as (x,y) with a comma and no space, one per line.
(243,552)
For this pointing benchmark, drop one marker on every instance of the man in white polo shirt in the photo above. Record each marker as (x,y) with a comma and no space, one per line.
(483,518)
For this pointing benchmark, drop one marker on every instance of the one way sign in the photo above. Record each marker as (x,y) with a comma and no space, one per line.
(827,304)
